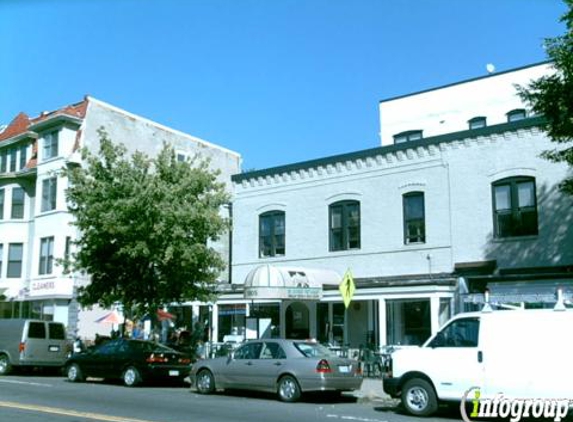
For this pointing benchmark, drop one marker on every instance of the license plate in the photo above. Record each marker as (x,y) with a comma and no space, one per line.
(54,348)
(173,373)
(344,369)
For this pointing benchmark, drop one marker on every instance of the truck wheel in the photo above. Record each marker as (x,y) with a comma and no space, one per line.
(419,397)
(5,366)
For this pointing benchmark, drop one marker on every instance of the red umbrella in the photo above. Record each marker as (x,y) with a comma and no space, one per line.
(111,318)
(163,315)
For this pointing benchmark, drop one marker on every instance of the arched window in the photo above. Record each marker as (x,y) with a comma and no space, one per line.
(414,217)
(514,207)
(344,225)
(272,234)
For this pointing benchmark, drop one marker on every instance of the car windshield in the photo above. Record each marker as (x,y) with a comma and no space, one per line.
(314,350)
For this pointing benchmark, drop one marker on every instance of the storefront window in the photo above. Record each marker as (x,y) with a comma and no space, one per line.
(338,312)
(268,311)
(232,322)
(408,321)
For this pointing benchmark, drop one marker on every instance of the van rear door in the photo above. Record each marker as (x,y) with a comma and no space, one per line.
(44,344)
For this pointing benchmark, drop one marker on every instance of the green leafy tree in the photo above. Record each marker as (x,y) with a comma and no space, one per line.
(145,227)
(552,96)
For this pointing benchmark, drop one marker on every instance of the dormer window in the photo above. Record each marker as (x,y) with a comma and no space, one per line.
(408,136)
(515,115)
(50,145)
(477,122)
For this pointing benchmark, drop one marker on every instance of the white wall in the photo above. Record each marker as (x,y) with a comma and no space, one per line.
(448,109)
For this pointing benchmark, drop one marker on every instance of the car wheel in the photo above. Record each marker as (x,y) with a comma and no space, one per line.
(131,377)
(205,382)
(288,389)
(74,373)
(5,366)
(419,397)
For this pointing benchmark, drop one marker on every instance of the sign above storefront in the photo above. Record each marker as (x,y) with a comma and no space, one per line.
(288,283)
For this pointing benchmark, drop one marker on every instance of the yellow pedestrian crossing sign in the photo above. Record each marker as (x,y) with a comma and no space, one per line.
(347,288)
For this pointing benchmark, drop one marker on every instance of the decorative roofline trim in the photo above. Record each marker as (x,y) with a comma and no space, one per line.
(390,152)
(19,137)
(55,120)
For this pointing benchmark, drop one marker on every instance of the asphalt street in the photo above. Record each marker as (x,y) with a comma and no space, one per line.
(31,398)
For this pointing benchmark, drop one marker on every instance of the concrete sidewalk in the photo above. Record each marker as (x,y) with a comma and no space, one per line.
(372,390)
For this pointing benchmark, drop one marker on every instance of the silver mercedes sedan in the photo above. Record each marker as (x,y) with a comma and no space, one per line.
(286,367)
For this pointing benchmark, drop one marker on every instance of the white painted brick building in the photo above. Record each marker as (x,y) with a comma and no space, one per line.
(455,200)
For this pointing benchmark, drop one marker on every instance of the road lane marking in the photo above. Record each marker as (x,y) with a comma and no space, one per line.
(354,418)
(67,412)
(35,384)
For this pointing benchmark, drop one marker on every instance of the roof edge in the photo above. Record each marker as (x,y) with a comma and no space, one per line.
(448,137)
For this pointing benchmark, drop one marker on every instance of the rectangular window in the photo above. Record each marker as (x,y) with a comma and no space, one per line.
(49,190)
(414,218)
(23,158)
(13,159)
(2,200)
(344,225)
(408,321)
(272,234)
(18,197)
(3,161)
(15,254)
(1,258)
(515,207)
(46,255)
(37,330)
(50,145)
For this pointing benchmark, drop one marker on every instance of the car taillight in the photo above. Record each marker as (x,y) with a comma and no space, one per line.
(323,367)
(21,347)
(185,361)
(153,358)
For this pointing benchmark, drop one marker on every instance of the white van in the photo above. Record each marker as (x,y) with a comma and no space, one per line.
(522,354)
(32,343)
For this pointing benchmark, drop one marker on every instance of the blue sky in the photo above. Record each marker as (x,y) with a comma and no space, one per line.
(278,81)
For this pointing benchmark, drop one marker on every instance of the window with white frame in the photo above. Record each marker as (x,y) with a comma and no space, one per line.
(15,254)
(414,218)
(46,255)
(18,198)
(49,192)
(4,161)
(13,159)
(50,145)
(23,156)
(2,200)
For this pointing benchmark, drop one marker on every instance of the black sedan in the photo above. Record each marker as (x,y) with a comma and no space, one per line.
(132,361)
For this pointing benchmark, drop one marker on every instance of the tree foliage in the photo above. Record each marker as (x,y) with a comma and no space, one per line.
(552,96)
(145,226)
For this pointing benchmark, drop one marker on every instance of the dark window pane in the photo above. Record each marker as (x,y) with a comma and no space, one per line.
(37,330)
(56,331)
(272,234)
(18,203)
(414,218)
(515,207)
(344,225)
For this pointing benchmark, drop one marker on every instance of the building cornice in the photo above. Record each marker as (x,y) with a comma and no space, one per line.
(20,137)
(56,120)
(384,154)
